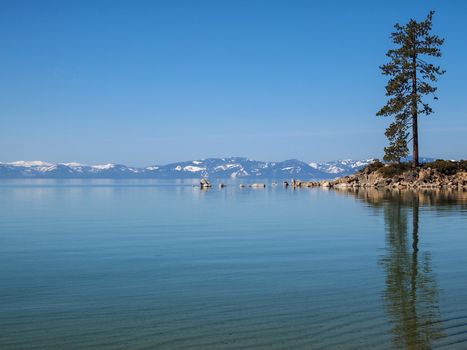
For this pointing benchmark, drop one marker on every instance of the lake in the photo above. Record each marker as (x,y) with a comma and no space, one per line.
(146,264)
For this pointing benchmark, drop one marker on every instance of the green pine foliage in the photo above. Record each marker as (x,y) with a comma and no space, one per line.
(411,78)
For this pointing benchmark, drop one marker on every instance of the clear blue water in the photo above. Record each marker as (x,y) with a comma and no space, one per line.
(161,265)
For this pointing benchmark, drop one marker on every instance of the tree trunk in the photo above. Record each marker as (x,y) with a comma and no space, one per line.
(414,111)
(415,140)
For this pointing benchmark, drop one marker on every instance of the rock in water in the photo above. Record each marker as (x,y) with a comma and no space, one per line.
(204,183)
(256,185)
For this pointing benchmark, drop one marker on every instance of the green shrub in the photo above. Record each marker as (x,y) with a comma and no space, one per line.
(447,167)
(373,166)
(463,165)
(391,170)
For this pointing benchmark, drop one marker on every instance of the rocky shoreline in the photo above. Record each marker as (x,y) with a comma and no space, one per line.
(417,178)
(414,178)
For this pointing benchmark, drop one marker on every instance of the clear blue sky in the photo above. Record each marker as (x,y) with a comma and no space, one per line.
(146,82)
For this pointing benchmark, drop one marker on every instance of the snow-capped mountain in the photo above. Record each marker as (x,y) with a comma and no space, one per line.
(234,167)
(341,167)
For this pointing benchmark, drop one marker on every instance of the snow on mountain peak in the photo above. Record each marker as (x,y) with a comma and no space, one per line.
(210,167)
(73,164)
(104,166)
(343,166)
(314,165)
(30,163)
(193,168)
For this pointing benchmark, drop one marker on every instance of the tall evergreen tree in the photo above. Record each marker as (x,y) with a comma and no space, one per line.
(410,79)
(397,135)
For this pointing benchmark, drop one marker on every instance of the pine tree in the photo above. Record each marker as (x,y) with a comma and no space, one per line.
(411,78)
(397,149)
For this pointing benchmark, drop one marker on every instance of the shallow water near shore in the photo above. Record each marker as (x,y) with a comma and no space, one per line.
(146,264)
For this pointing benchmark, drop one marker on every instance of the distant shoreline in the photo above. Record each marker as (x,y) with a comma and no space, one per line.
(213,168)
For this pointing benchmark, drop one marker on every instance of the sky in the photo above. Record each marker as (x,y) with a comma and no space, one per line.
(153,82)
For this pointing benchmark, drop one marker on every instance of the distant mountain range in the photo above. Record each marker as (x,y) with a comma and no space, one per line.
(234,167)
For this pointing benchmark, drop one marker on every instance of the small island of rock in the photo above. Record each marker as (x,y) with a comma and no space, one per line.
(437,174)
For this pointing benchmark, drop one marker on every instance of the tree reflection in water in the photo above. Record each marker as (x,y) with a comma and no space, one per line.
(411,295)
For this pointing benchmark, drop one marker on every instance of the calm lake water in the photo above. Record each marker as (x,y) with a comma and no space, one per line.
(88,264)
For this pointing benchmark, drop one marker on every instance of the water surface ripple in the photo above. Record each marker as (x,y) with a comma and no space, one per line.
(117,264)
